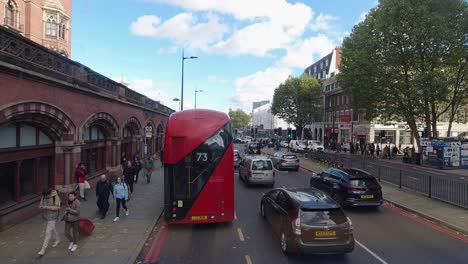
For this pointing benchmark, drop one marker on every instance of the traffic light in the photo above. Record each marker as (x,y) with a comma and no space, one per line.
(256,131)
(235,131)
(252,131)
(279,132)
(276,132)
(289,133)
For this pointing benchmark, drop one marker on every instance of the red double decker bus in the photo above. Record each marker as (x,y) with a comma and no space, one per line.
(198,168)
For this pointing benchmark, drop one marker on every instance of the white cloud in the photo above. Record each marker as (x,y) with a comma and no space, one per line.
(258,86)
(362,16)
(184,29)
(168,50)
(276,26)
(323,22)
(304,52)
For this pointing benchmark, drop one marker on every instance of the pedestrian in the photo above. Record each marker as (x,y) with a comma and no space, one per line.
(148,169)
(50,206)
(80,174)
(137,165)
(129,175)
(103,190)
(123,160)
(72,221)
(378,151)
(394,151)
(121,197)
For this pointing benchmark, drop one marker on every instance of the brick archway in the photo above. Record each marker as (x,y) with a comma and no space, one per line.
(103,120)
(49,118)
(134,123)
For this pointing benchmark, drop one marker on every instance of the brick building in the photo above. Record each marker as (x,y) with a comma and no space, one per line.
(47,22)
(55,113)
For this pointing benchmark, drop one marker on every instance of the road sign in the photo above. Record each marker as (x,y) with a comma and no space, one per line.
(148,131)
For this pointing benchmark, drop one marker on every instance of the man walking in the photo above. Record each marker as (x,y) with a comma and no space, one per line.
(50,206)
(148,168)
(72,221)
(103,190)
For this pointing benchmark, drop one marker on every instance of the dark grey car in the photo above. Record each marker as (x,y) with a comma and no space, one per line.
(284,160)
(307,220)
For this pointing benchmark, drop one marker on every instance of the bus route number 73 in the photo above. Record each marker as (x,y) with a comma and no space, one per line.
(201,157)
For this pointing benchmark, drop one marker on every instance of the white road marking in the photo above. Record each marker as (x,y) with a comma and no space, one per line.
(241,236)
(247,259)
(235,215)
(371,252)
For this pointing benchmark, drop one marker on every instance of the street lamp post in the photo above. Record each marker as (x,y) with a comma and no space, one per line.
(197,91)
(182,88)
(177,100)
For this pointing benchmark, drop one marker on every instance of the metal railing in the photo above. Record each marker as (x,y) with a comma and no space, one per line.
(447,188)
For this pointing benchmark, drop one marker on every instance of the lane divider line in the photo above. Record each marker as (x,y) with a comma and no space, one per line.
(371,252)
(241,236)
(427,223)
(248,260)
(235,215)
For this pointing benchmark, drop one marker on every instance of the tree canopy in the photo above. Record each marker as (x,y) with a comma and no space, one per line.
(239,119)
(298,101)
(395,63)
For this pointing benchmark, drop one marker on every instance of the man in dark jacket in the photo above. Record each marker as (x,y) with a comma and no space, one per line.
(103,190)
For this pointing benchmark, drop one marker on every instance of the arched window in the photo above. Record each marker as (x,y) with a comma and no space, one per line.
(93,152)
(10,13)
(26,158)
(63,28)
(51,27)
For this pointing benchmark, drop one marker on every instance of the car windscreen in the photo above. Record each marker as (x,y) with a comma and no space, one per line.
(289,157)
(333,216)
(262,165)
(253,145)
(364,182)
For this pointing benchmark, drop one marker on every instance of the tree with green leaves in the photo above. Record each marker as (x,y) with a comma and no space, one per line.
(239,119)
(395,62)
(298,101)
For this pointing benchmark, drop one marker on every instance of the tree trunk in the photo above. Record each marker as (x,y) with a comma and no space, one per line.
(451,119)
(414,130)
(427,118)
(435,132)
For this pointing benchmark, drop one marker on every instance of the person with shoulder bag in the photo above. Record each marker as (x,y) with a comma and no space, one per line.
(80,174)
(72,221)
(121,195)
(50,206)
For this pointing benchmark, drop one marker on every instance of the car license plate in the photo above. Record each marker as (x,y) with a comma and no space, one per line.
(325,233)
(367,196)
(200,217)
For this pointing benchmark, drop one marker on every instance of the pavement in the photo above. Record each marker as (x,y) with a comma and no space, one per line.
(113,243)
(434,210)
(384,235)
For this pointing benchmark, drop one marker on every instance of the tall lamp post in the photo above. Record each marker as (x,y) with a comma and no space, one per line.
(177,100)
(182,88)
(197,91)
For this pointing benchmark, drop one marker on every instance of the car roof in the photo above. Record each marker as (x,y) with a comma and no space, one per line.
(259,157)
(311,198)
(357,173)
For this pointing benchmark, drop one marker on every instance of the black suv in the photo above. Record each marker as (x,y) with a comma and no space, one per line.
(308,221)
(351,187)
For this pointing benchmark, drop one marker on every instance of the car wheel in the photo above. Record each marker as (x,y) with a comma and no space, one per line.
(285,244)
(262,210)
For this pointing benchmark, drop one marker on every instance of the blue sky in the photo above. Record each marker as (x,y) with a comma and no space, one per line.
(245,47)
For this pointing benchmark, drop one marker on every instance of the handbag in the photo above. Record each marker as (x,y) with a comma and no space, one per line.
(86,185)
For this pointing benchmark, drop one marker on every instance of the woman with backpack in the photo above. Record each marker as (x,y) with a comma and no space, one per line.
(121,197)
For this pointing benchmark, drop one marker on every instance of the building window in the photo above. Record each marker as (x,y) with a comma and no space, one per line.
(324,73)
(51,27)
(315,68)
(321,65)
(405,137)
(24,173)
(326,62)
(94,150)
(63,29)
(10,13)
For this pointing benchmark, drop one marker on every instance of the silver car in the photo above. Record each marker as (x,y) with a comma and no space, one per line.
(284,160)
(237,158)
(257,170)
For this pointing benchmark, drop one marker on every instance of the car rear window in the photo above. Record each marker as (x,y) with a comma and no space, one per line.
(367,182)
(289,157)
(253,145)
(262,165)
(334,216)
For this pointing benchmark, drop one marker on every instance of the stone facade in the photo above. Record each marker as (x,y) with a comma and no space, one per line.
(55,113)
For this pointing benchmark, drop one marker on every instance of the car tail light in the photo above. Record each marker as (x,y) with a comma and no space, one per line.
(296,225)
(274,174)
(249,174)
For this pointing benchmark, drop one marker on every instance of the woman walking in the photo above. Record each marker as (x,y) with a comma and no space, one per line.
(50,206)
(121,197)
(80,174)
(72,221)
